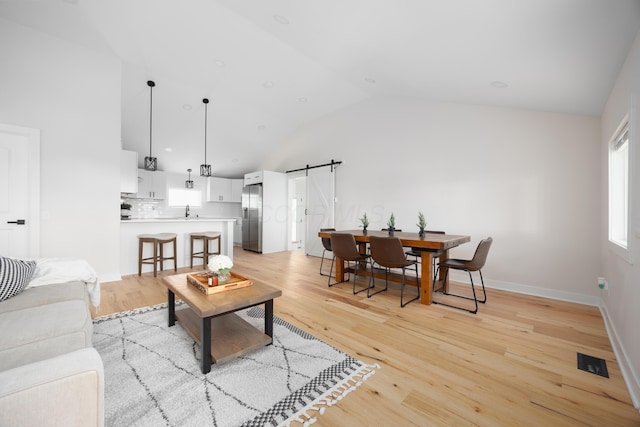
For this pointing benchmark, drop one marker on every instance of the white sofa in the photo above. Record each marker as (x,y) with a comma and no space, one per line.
(49,372)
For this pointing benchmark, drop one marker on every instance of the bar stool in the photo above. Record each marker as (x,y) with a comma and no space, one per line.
(206,237)
(158,241)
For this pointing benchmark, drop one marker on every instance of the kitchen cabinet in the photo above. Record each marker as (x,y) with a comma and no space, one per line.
(253,178)
(128,172)
(224,189)
(236,190)
(218,189)
(151,184)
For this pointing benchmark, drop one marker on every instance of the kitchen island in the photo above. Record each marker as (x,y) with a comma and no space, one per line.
(182,227)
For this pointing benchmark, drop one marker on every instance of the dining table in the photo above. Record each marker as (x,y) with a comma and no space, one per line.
(432,242)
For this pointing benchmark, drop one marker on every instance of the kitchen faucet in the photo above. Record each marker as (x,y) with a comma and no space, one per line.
(186,212)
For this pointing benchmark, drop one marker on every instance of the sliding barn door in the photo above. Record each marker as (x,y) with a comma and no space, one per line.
(320,206)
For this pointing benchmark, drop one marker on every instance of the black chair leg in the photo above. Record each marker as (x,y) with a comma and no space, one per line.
(372,281)
(355,279)
(473,289)
(329,284)
(402,304)
(322,262)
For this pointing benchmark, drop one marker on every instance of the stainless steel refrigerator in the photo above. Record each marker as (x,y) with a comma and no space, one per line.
(252,218)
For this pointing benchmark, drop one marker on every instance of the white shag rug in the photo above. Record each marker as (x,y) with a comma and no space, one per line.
(153,377)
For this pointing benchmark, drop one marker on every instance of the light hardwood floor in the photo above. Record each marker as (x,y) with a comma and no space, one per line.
(514,363)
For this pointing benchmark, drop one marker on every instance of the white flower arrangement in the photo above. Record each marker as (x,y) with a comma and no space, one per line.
(220,264)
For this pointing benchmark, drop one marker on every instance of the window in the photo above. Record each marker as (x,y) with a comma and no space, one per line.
(619,188)
(183,197)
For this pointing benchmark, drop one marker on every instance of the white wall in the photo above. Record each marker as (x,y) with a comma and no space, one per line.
(621,302)
(73,96)
(531,180)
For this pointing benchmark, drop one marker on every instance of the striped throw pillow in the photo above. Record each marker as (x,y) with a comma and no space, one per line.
(15,275)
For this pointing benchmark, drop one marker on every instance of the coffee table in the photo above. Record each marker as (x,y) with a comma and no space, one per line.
(211,321)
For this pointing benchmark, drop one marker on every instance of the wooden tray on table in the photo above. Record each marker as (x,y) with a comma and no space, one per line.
(201,282)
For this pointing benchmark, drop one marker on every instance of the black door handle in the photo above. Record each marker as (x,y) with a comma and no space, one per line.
(19,222)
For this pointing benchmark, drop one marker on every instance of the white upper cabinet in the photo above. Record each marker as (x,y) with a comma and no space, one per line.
(253,178)
(224,189)
(236,190)
(151,184)
(128,172)
(218,189)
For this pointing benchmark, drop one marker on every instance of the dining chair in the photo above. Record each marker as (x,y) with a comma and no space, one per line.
(435,253)
(344,247)
(474,264)
(388,252)
(326,244)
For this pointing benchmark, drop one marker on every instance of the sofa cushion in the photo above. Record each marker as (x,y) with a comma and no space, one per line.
(15,275)
(41,295)
(44,331)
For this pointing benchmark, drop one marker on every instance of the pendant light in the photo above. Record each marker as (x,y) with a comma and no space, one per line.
(188,183)
(205,169)
(150,162)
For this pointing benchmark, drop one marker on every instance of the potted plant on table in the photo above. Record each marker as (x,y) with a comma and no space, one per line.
(391,224)
(422,224)
(365,223)
(125,210)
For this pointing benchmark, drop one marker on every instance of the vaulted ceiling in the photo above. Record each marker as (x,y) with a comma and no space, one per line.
(269,67)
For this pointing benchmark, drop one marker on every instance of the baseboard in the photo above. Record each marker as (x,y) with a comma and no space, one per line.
(463,277)
(113,277)
(630,377)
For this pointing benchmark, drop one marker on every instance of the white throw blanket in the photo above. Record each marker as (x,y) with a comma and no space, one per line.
(50,271)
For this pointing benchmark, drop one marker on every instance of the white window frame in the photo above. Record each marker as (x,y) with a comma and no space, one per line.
(180,197)
(619,200)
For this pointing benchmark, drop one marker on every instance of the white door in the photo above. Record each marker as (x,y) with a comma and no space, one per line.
(19,192)
(320,206)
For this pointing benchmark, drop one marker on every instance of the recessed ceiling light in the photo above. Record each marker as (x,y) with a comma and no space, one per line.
(370,80)
(281,19)
(220,63)
(498,84)
(187,107)
(303,99)
(268,84)
(168,150)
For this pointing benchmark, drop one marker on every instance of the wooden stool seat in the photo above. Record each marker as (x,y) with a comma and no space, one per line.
(206,237)
(158,241)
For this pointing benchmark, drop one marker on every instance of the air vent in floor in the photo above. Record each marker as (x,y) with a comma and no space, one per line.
(593,364)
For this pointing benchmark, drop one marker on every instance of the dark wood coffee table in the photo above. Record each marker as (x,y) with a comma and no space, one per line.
(211,321)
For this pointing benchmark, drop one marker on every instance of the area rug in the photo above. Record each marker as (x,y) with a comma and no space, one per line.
(153,376)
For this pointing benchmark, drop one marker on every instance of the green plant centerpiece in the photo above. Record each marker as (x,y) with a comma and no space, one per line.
(365,223)
(391,224)
(422,224)
(125,210)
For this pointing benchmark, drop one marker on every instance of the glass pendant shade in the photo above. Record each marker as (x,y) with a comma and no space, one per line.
(150,163)
(188,183)
(205,170)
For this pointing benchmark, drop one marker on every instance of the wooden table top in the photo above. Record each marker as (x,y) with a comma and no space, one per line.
(221,302)
(429,241)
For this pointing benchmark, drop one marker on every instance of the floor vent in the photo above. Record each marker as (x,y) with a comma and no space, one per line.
(593,364)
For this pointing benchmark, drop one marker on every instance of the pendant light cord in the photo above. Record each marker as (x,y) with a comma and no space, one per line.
(206,104)
(151,84)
